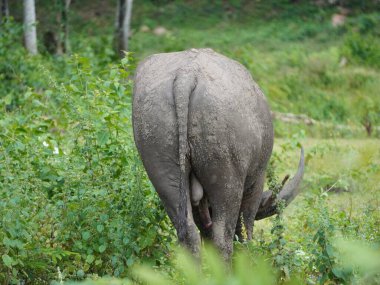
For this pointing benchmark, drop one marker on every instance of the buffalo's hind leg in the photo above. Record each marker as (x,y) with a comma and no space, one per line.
(192,240)
(225,199)
(165,178)
(249,206)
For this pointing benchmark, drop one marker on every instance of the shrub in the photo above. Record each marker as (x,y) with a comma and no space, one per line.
(362,49)
(73,191)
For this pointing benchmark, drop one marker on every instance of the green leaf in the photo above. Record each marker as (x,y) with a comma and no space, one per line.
(104,217)
(98,262)
(125,240)
(102,137)
(125,60)
(86,235)
(330,251)
(7,99)
(80,273)
(100,228)
(338,272)
(7,260)
(102,248)
(149,276)
(186,263)
(130,261)
(90,259)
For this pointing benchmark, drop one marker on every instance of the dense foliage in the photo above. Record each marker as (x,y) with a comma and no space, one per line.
(75,202)
(71,182)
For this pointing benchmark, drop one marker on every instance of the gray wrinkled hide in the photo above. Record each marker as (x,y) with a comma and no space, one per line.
(199,114)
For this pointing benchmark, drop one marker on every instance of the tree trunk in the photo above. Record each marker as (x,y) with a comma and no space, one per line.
(63,37)
(124,15)
(368,127)
(4,10)
(30,33)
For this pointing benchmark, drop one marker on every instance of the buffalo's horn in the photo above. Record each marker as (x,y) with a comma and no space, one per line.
(269,201)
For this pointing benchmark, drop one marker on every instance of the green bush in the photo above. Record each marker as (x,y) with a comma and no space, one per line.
(73,191)
(353,256)
(362,49)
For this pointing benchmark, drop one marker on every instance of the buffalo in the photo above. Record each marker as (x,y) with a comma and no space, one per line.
(204,132)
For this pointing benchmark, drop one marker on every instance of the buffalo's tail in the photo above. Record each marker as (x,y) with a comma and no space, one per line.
(183,86)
